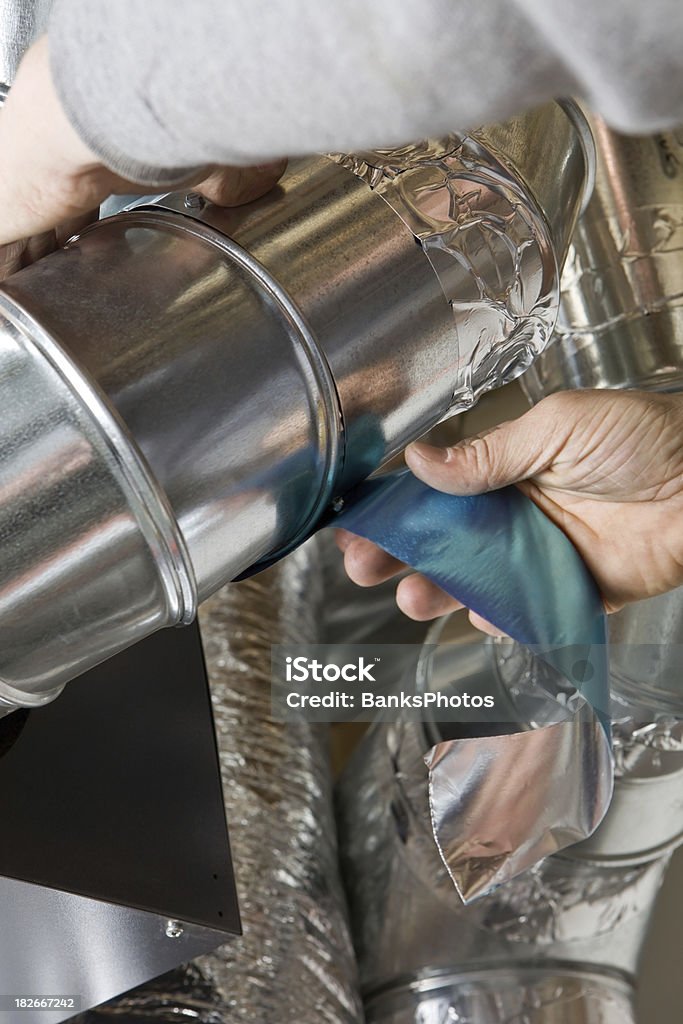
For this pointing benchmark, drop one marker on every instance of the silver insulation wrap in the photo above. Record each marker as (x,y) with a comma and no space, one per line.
(295,960)
(489,246)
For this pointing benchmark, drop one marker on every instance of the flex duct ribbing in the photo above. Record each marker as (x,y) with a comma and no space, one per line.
(295,960)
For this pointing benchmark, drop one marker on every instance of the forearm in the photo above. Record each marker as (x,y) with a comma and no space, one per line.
(156,86)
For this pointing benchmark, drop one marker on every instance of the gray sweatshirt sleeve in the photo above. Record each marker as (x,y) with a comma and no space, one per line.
(159,86)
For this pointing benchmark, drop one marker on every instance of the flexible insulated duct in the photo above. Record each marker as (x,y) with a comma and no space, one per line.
(186,390)
(557,945)
(294,961)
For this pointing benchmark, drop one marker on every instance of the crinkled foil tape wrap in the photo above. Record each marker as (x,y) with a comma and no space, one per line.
(555,944)
(470,214)
(295,961)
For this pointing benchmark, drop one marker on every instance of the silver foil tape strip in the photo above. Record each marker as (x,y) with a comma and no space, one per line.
(295,961)
(504,952)
(500,804)
(487,243)
(501,801)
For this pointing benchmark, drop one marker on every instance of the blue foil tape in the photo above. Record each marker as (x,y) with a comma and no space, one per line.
(503,558)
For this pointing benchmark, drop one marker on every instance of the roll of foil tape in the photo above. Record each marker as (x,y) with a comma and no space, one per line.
(499,804)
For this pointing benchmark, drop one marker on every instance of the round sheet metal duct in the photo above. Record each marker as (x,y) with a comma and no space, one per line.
(558,943)
(186,391)
(621,326)
(621,315)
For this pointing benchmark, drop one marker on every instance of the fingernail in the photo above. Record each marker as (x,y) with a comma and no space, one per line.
(428,452)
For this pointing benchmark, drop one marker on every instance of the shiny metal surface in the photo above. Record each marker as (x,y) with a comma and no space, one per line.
(89,564)
(295,960)
(410,925)
(508,997)
(367,294)
(499,804)
(21,22)
(621,316)
(253,363)
(562,189)
(645,818)
(647,651)
(232,410)
(494,223)
(86,948)
(502,799)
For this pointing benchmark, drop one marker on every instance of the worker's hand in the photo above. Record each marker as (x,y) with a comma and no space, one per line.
(51,184)
(606,467)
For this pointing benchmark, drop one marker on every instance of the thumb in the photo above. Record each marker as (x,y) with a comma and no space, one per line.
(503,455)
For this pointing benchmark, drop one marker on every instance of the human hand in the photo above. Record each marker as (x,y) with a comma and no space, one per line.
(605,466)
(51,184)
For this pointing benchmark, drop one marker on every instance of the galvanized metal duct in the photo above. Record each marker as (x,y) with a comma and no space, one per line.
(621,314)
(295,960)
(557,944)
(621,326)
(561,942)
(185,391)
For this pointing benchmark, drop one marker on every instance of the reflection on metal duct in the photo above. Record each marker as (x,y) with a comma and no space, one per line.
(621,313)
(186,390)
(558,944)
(295,960)
(621,326)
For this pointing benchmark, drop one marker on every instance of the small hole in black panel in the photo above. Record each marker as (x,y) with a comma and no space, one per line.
(220,913)
(215,878)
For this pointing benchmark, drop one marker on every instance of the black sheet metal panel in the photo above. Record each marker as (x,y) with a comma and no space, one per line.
(113,790)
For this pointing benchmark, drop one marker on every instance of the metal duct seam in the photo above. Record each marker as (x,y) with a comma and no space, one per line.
(621,309)
(327,412)
(295,960)
(529,995)
(432,186)
(233,374)
(508,950)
